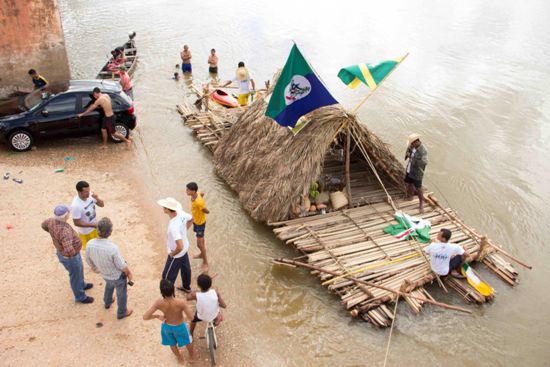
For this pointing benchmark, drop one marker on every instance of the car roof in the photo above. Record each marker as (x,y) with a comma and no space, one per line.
(108,86)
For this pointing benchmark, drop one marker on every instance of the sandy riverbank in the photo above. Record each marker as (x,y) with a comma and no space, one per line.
(40,323)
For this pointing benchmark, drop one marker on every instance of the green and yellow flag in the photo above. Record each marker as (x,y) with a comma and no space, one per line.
(369,74)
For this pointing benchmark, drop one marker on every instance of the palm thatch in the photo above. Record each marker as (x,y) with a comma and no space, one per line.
(271,169)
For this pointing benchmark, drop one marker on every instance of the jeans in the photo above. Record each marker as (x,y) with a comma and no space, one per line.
(121,294)
(181,264)
(76,275)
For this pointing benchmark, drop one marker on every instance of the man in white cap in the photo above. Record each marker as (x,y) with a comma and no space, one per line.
(417,157)
(177,244)
(68,245)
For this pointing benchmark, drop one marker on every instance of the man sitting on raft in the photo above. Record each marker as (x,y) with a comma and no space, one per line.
(446,258)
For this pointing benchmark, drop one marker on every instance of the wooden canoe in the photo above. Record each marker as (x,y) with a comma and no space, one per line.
(130,52)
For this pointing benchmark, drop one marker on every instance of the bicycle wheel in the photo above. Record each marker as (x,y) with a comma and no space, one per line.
(211,340)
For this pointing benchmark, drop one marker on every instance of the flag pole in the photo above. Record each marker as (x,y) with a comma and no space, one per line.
(375,88)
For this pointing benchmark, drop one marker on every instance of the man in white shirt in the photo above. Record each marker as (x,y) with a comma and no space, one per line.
(446,258)
(244,81)
(83,212)
(177,244)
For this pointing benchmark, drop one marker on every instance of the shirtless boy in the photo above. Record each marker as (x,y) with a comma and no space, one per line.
(174,330)
(104,101)
(213,62)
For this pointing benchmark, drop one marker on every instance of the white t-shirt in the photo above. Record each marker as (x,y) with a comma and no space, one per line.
(244,85)
(177,230)
(208,306)
(441,254)
(85,211)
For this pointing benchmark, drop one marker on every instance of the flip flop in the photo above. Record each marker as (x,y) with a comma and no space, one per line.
(6,175)
(18,180)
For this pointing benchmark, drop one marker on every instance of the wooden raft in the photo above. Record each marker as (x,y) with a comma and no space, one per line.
(346,241)
(207,126)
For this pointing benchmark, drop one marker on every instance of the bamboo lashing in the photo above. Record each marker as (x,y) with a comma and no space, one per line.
(370,284)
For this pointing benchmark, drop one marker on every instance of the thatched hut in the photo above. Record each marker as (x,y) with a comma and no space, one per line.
(272,169)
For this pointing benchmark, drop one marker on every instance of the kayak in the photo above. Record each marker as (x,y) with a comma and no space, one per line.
(223,98)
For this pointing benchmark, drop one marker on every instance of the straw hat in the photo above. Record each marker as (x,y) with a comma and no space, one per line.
(412,138)
(242,74)
(170,203)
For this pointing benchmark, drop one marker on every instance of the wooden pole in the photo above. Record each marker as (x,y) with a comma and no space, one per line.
(379,84)
(347,173)
(399,293)
(460,223)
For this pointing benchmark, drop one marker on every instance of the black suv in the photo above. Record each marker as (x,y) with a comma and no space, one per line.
(53,109)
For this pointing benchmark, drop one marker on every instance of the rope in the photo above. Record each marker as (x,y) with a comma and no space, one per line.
(372,167)
(391,330)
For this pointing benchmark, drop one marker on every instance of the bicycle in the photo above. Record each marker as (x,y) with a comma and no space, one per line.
(211,341)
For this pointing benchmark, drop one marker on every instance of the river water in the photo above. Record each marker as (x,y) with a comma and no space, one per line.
(475,86)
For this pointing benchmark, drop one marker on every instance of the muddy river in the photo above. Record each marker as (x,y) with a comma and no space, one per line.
(475,86)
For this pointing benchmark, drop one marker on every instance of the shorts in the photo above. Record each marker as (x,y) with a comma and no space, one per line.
(213,69)
(416,183)
(243,99)
(109,124)
(186,68)
(199,229)
(86,237)
(130,93)
(195,318)
(175,334)
(216,321)
(456,263)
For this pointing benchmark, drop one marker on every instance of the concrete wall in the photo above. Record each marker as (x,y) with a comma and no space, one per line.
(31,36)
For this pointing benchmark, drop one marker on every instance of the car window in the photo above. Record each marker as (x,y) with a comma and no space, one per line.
(64,104)
(87,101)
(119,101)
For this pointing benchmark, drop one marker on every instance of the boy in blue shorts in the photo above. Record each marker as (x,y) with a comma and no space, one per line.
(174,330)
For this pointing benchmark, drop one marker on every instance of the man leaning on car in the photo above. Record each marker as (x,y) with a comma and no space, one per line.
(104,101)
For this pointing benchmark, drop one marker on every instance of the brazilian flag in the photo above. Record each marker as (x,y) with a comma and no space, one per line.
(369,74)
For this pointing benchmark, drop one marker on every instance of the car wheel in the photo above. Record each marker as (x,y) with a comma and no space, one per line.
(122,129)
(20,141)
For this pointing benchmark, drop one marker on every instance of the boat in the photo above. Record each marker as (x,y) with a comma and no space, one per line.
(223,98)
(130,53)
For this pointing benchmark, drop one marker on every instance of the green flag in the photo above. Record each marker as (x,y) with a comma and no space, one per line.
(369,74)
(298,91)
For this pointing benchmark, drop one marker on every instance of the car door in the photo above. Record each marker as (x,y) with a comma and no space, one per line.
(56,117)
(92,121)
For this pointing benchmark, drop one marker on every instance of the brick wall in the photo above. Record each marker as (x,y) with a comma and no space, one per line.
(31,36)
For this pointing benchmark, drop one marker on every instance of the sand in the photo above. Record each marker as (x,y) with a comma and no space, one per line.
(40,324)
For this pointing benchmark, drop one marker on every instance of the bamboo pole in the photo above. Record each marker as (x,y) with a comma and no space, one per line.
(370,284)
(378,85)
(462,224)
(347,175)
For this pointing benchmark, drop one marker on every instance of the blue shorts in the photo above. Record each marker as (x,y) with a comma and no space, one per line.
(175,334)
(199,229)
(186,68)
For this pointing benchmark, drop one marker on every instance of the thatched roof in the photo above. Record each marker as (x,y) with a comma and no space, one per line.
(271,169)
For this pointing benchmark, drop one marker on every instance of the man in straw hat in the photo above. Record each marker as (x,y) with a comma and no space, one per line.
(244,81)
(67,244)
(177,244)
(417,156)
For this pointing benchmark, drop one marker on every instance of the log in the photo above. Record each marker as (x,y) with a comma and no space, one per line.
(396,292)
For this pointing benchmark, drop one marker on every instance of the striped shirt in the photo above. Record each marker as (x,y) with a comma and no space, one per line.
(104,256)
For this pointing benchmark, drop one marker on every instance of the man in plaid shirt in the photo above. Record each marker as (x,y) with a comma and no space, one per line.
(68,245)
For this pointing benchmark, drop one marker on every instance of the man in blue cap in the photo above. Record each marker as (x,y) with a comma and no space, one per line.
(68,245)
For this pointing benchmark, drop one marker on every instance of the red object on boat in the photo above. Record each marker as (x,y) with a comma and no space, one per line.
(223,98)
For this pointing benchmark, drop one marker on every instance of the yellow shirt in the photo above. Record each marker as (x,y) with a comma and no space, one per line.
(197,205)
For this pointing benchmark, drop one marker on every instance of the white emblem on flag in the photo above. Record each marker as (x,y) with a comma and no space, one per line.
(298,88)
